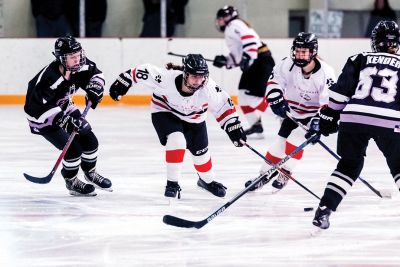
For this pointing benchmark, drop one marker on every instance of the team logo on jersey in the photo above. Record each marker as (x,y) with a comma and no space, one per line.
(330,82)
(305,96)
(217,89)
(158,78)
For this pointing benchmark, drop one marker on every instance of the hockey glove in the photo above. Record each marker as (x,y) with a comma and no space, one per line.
(278,104)
(220,61)
(328,120)
(72,122)
(121,86)
(94,93)
(314,129)
(245,62)
(236,133)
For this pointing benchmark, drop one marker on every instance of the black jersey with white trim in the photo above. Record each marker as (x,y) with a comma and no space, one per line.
(367,93)
(50,93)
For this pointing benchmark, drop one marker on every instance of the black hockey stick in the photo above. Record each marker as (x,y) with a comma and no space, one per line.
(281,170)
(175,221)
(179,55)
(378,193)
(47,179)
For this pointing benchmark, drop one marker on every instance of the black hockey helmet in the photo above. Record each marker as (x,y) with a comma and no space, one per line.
(304,40)
(195,64)
(227,13)
(385,35)
(68,45)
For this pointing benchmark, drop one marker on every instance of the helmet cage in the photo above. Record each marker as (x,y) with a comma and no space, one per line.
(385,36)
(304,40)
(194,64)
(227,13)
(65,46)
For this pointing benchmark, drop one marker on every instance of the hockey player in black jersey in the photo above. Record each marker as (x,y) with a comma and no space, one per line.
(52,114)
(366,100)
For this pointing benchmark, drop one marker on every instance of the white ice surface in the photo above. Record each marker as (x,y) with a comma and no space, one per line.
(41,225)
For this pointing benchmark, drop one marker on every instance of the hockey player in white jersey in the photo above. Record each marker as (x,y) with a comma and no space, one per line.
(248,52)
(298,85)
(182,95)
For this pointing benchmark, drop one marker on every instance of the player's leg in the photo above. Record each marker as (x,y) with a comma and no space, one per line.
(169,129)
(197,140)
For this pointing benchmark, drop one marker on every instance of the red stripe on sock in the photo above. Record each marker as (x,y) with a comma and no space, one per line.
(272,158)
(290,148)
(174,156)
(204,167)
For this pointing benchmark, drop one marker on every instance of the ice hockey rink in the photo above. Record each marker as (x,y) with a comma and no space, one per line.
(42,225)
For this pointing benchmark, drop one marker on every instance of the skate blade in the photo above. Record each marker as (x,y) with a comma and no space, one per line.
(99,187)
(73,193)
(209,193)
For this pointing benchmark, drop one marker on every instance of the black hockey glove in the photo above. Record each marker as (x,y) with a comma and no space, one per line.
(278,104)
(329,118)
(245,62)
(220,61)
(72,122)
(314,129)
(94,93)
(236,133)
(121,86)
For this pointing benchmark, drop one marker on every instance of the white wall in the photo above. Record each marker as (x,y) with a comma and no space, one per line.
(22,59)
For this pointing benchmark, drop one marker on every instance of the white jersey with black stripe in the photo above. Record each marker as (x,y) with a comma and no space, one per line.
(167,98)
(240,39)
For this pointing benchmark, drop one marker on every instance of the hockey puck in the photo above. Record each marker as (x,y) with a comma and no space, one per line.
(308,209)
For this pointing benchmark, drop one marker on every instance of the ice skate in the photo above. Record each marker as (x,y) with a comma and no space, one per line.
(264,180)
(280,182)
(78,188)
(255,131)
(321,218)
(98,181)
(213,187)
(172,189)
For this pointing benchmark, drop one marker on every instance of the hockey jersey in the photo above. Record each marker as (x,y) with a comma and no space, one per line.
(367,92)
(240,39)
(305,96)
(49,93)
(167,98)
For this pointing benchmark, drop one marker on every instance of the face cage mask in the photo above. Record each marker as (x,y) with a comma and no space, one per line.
(75,68)
(384,46)
(192,88)
(302,62)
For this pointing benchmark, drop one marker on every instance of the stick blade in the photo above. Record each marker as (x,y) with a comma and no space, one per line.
(38,180)
(178,222)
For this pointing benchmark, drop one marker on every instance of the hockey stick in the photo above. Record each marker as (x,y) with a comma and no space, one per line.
(47,179)
(179,55)
(179,222)
(378,193)
(281,170)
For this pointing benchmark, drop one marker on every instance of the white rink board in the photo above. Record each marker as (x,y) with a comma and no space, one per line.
(23,58)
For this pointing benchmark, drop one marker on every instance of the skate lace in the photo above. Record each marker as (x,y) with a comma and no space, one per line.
(97,177)
(282,178)
(78,184)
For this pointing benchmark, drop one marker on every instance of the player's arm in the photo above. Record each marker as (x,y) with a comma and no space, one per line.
(143,74)
(224,111)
